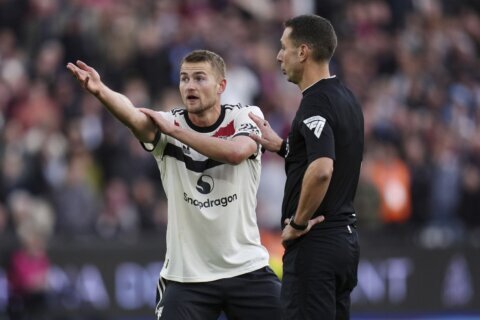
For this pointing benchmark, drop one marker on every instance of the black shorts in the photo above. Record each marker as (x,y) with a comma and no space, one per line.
(319,273)
(254,295)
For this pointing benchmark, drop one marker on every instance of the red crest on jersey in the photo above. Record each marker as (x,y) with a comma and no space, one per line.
(226,131)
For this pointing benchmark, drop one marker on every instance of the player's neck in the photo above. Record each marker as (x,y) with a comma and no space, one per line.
(207,117)
(313,73)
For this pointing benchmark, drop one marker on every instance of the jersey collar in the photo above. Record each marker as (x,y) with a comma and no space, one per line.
(304,90)
(209,128)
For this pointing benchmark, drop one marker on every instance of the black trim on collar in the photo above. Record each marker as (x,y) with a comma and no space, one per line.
(209,128)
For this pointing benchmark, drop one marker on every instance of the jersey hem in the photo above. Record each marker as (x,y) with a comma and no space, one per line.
(216,277)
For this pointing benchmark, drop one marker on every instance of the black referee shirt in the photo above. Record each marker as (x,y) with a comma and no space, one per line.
(328,123)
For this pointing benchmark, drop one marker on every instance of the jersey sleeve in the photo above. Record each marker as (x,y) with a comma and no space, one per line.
(244,125)
(316,128)
(158,145)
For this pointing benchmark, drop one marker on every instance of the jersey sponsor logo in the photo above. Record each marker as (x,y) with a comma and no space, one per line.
(316,124)
(205,184)
(209,203)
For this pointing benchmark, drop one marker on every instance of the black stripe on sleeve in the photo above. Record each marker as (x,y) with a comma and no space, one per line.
(150,146)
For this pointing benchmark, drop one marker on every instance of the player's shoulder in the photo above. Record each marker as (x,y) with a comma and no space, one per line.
(238,106)
(238,109)
(177,112)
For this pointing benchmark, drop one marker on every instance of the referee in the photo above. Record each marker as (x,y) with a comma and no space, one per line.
(323,155)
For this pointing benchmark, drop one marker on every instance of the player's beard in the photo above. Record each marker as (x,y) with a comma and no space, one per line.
(201,107)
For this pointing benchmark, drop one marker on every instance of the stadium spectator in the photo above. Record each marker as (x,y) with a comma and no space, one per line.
(413,64)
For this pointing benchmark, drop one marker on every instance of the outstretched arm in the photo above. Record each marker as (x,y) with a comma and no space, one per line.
(232,151)
(118,104)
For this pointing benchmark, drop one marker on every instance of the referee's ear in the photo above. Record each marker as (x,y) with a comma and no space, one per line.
(303,52)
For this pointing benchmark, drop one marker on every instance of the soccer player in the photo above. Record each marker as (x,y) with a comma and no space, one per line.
(323,154)
(210,170)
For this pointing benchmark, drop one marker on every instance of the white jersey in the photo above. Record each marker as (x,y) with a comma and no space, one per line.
(212,230)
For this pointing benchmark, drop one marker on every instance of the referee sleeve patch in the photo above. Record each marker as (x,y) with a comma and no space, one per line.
(316,124)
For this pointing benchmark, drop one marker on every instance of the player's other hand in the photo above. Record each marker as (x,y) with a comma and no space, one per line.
(163,124)
(269,139)
(86,75)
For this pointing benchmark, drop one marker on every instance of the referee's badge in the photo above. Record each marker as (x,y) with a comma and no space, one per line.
(316,124)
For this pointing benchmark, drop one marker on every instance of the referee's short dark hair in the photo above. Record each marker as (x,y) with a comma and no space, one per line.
(215,60)
(316,32)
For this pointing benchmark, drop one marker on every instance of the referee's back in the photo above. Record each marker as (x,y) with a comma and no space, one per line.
(332,100)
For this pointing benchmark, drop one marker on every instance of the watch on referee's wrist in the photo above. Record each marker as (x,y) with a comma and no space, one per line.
(299,227)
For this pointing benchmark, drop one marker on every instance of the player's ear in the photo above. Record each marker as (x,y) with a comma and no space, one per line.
(221,86)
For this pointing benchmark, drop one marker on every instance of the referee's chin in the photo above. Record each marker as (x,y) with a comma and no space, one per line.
(290,78)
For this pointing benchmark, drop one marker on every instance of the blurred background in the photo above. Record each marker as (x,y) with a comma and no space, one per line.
(82,209)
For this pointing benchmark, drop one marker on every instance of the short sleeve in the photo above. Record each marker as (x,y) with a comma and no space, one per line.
(244,125)
(158,145)
(316,128)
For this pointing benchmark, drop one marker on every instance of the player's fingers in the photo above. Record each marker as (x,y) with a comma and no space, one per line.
(151,114)
(83,65)
(85,83)
(78,73)
(146,111)
(71,66)
(73,69)
(286,221)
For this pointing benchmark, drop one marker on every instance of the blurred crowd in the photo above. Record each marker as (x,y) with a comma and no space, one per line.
(68,168)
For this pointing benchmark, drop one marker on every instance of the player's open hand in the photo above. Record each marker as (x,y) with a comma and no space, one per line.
(86,75)
(163,124)
(290,233)
(269,139)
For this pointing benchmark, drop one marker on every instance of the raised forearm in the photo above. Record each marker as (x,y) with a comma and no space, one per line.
(314,187)
(122,108)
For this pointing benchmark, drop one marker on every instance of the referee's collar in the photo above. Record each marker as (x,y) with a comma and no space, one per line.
(305,90)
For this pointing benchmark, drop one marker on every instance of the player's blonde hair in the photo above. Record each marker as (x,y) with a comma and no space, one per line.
(217,62)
